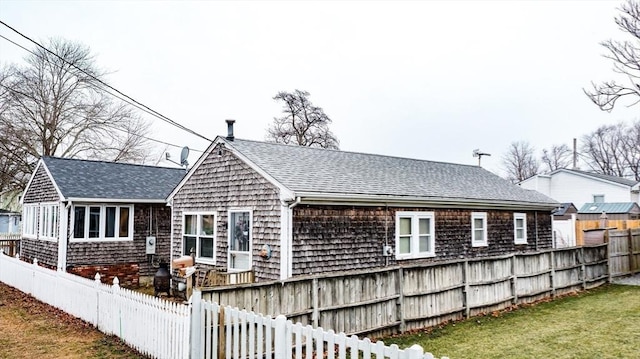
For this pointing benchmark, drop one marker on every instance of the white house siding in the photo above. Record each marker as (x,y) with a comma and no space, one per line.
(569,187)
(223,183)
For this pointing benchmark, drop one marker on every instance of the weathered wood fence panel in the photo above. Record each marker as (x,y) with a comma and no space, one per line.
(396,299)
(624,252)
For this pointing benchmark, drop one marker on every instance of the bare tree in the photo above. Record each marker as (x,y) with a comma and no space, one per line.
(558,156)
(631,150)
(626,61)
(520,162)
(50,108)
(302,124)
(603,150)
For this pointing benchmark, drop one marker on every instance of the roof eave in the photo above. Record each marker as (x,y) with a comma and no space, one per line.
(374,200)
(115,200)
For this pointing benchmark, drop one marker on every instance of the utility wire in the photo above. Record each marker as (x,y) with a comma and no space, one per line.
(146,108)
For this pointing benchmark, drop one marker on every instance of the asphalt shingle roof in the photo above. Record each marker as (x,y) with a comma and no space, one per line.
(304,169)
(615,179)
(110,180)
(613,207)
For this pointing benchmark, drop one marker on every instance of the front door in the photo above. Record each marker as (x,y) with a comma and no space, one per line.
(239,240)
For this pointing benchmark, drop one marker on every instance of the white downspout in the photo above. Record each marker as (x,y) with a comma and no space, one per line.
(286,235)
(63,236)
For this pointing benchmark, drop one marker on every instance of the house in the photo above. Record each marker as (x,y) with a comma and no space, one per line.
(612,211)
(92,216)
(9,222)
(285,211)
(10,212)
(579,187)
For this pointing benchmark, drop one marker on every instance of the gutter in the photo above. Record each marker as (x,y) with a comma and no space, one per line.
(409,201)
(116,200)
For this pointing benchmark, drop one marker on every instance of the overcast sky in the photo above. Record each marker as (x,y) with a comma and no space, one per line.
(421,79)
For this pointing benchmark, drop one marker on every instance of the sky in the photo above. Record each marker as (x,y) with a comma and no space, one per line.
(430,80)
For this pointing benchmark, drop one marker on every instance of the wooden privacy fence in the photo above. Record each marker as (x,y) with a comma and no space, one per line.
(154,327)
(624,252)
(396,299)
(232,333)
(10,243)
(582,225)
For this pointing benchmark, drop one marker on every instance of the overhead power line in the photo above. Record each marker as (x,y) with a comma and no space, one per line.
(131,100)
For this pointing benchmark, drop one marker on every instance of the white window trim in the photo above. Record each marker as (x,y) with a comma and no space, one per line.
(593,197)
(47,209)
(517,216)
(239,210)
(482,242)
(413,253)
(30,222)
(101,237)
(203,260)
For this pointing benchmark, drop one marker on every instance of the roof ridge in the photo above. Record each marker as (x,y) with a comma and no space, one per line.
(111,162)
(351,152)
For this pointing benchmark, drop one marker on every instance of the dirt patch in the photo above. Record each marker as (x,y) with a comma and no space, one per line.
(32,329)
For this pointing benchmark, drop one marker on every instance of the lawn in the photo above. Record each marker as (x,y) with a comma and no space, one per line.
(601,323)
(32,329)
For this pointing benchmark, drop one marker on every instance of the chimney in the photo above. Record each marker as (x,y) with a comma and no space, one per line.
(575,154)
(230,130)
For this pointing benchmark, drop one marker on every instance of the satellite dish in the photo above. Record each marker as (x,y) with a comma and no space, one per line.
(184,155)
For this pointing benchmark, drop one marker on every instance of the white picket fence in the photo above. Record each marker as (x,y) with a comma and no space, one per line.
(152,326)
(242,334)
(162,329)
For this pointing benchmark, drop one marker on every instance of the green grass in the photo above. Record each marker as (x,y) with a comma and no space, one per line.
(601,323)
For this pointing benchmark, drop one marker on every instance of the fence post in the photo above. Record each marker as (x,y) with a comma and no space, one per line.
(514,280)
(400,302)
(96,285)
(415,352)
(195,317)
(608,242)
(280,337)
(465,277)
(315,315)
(583,269)
(631,255)
(552,274)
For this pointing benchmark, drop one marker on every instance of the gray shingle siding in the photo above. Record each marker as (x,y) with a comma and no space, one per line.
(339,238)
(223,183)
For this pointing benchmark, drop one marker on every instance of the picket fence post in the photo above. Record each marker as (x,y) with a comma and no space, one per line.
(195,328)
(280,342)
(96,285)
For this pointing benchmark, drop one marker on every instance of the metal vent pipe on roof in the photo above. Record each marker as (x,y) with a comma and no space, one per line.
(230,136)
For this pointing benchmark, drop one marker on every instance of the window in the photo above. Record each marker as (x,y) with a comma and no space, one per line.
(103,222)
(240,240)
(598,198)
(199,231)
(30,222)
(415,235)
(479,229)
(520,228)
(49,221)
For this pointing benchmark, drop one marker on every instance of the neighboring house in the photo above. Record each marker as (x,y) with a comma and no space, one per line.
(92,216)
(10,212)
(612,211)
(579,187)
(10,201)
(285,211)
(9,222)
